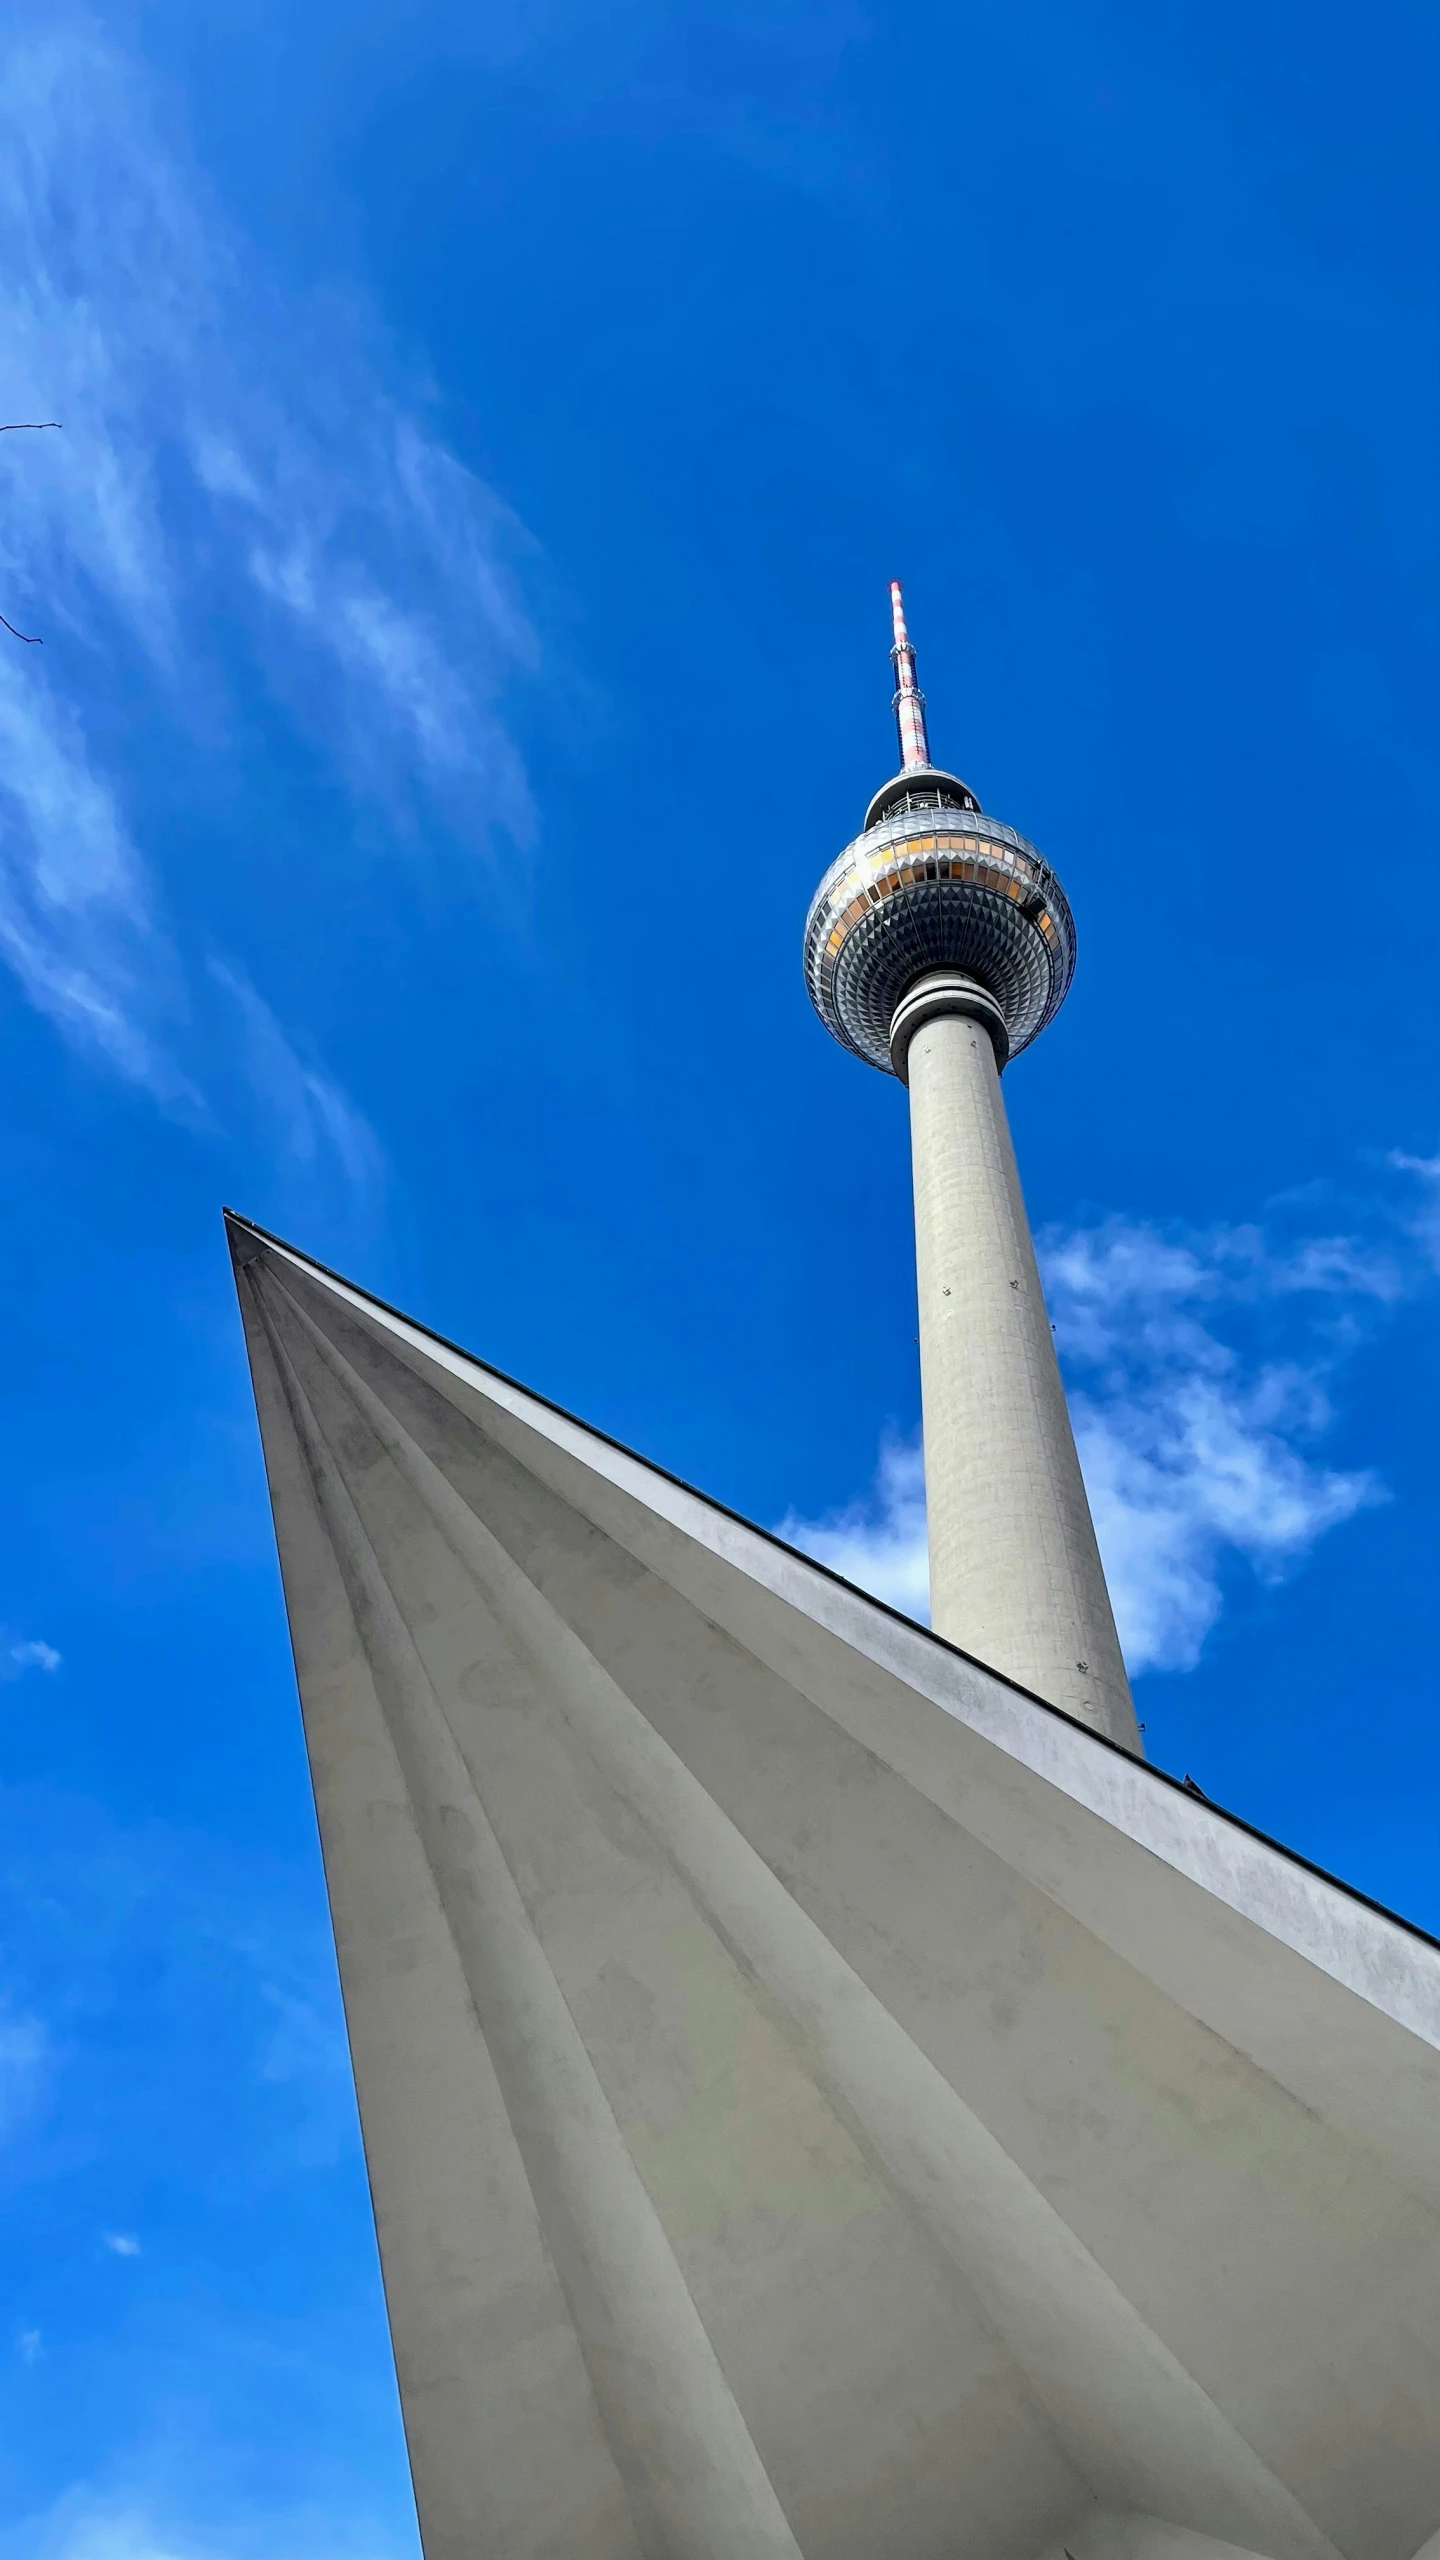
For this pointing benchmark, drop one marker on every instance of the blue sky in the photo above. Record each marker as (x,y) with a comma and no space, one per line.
(461,570)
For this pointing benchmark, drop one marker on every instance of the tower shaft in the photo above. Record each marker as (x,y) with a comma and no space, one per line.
(1015,1572)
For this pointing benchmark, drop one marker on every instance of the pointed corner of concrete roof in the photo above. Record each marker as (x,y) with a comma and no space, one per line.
(253,1247)
(781,2043)
(966,1688)
(246,1241)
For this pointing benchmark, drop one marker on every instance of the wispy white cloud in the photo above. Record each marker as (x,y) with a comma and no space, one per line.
(318,1123)
(1201,1369)
(121,2244)
(1198,1441)
(238,510)
(79,2529)
(109,2537)
(1424,1222)
(26,1653)
(24,2062)
(85,2526)
(306,2053)
(878,1541)
(79,921)
(30,2345)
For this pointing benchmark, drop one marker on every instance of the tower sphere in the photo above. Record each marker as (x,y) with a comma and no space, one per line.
(931,883)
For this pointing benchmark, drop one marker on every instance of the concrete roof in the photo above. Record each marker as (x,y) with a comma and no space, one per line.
(818,2100)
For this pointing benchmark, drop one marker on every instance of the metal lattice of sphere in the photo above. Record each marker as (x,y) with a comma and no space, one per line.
(936,885)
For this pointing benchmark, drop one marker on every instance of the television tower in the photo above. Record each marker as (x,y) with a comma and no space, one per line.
(937,946)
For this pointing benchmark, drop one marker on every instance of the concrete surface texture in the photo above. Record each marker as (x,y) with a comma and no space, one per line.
(1015,1573)
(818,2100)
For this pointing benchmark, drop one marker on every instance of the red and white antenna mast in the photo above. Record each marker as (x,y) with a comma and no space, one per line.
(909,704)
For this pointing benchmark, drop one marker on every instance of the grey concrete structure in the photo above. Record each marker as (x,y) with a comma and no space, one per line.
(937,945)
(819,2099)
(1015,1573)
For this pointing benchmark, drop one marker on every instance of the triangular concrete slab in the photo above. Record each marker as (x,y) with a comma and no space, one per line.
(817,2098)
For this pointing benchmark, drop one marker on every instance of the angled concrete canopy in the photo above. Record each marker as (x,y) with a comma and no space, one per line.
(817,2099)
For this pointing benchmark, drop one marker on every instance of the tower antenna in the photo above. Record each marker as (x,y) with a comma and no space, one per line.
(909,703)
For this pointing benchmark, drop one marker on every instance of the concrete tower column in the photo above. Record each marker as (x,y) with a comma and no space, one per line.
(1015,1573)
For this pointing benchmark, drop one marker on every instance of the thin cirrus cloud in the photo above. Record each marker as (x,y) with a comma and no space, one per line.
(26,1653)
(239,532)
(1424,1221)
(1201,1370)
(318,1123)
(80,2527)
(24,2063)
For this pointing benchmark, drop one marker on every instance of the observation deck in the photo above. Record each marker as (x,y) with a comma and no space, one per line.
(936,885)
(932,883)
